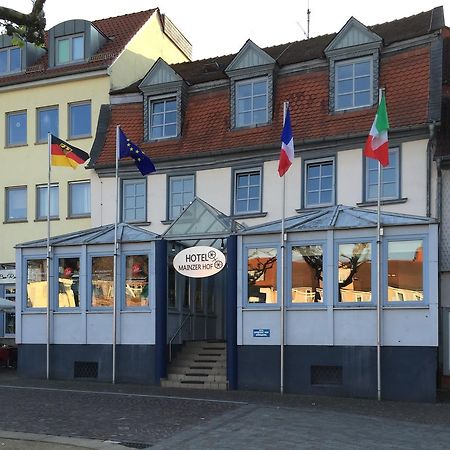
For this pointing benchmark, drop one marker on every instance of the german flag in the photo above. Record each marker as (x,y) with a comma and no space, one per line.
(64,154)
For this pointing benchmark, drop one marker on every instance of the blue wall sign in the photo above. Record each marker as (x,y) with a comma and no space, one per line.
(261,332)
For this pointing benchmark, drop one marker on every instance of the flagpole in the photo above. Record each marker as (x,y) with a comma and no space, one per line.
(379,237)
(283,251)
(116,220)
(48,257)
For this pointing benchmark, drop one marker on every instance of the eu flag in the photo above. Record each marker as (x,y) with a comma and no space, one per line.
(128,148)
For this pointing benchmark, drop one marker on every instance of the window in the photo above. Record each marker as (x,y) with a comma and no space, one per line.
(37,287)
(319,183)
(353,84)
(42,202)
(163,118)
(262,275)
(134,195)
(390,177)
(69,49)
(10,60)
(102,276)
(136,281)
(181,193)
(16,123)
(247,192)
(405,271)
(79,199)
(307,274)
(10,317)
(16,203)
(47,122)
(355,272)
(251,102)
(79,120)
(68,282)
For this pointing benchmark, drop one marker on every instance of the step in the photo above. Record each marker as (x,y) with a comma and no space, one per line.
(197,378)
(190,369)
(190,385)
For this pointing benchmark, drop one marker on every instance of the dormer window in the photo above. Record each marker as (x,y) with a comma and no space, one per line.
(10,60)
(251,102)
(69,49)
(163,118)
(353,83)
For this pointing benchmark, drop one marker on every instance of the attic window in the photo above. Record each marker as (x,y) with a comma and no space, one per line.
(10,60)
(69,49)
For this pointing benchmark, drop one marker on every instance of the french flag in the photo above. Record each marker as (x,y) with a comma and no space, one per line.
(287,146)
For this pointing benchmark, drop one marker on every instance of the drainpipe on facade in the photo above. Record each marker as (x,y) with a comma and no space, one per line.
(430,145)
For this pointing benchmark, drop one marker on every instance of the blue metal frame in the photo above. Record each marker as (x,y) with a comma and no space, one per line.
(231,311)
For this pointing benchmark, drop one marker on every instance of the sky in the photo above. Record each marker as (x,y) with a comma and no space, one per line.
(216,28)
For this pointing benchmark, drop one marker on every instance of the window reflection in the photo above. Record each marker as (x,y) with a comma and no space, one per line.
(102,281)
(37,288)
(136,288)
(405,271)
(307,274)
(262,275)
(69,282)
(354,272)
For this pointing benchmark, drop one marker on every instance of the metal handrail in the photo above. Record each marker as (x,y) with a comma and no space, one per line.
(176,334)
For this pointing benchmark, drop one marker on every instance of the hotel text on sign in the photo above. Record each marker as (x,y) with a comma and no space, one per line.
(199,262)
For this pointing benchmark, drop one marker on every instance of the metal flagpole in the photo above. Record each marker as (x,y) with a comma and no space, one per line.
(116,220)
(283,251)
(379,304)
(48,255)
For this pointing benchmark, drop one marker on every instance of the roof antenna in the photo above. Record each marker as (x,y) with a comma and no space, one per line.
(308,13)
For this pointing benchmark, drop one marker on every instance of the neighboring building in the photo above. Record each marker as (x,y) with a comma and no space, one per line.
(213,127)
(60,89)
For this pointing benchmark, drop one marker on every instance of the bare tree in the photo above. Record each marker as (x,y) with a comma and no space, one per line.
(25,27)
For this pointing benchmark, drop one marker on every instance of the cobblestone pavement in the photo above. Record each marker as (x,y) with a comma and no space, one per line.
(100,415)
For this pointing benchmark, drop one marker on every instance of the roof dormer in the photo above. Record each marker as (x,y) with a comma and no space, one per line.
(251,73)
(72,42)
(354,67)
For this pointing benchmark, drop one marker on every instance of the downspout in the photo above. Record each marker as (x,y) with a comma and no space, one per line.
(430,145)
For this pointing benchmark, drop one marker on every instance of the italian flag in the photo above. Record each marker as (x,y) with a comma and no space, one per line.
(377,145)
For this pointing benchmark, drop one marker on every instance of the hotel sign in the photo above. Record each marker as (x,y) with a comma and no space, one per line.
(199,262)
(7,276)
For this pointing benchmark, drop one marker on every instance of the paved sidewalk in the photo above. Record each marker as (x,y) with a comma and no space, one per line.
(73,415)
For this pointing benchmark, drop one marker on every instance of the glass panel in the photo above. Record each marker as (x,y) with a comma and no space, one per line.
(327,169)
(262,275)
(17,128)
(171,117)
(102,281)
(260,88)
(313,184)
(253,192)
(389,190)
(47,123)
(259,117)
(177,185)
(244,104)
(69,282)
(345,86)
(345,101)
(43,202)
(170,130)
(4,61)
(326,183)
(80,120)
(354,272)
(307,274)
(244,90)
(77,48)
(362,68)
(63,51)
(243,180)
(344,71)
(260,102)
(37,288)
(405,271)
(17,204)
(312,198)
(136,283)
(171,105)
(362,84)
(362,98)
(158,107)
(158,119)
(14,60)
(326,196)
(241,206)
(314,171)
(80,199)
(253,205)
(10,323)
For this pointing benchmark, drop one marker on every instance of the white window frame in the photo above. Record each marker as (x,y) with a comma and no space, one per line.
(251,81)
(40,187)
(70,38)
(185,202)
(162,99)
(134,182)
(336,90)
(248,172)
(8,51)
(320,162)
(70,202)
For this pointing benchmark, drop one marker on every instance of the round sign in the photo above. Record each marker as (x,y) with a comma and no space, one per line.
(199,262)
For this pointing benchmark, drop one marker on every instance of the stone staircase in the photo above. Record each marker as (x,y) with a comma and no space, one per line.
(199,365)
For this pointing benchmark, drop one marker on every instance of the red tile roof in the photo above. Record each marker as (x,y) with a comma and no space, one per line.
(119,30)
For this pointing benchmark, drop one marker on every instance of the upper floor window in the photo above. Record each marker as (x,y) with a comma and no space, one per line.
(16,126)
(10,60)
(163,118)
(79,199)
(134,198)
(247,192)
(79,120)
(353,83)
(390,177)
(47,122)
(181,193)
(319,183)
(16,203)
(251,102)
(69,49)
(42,202)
